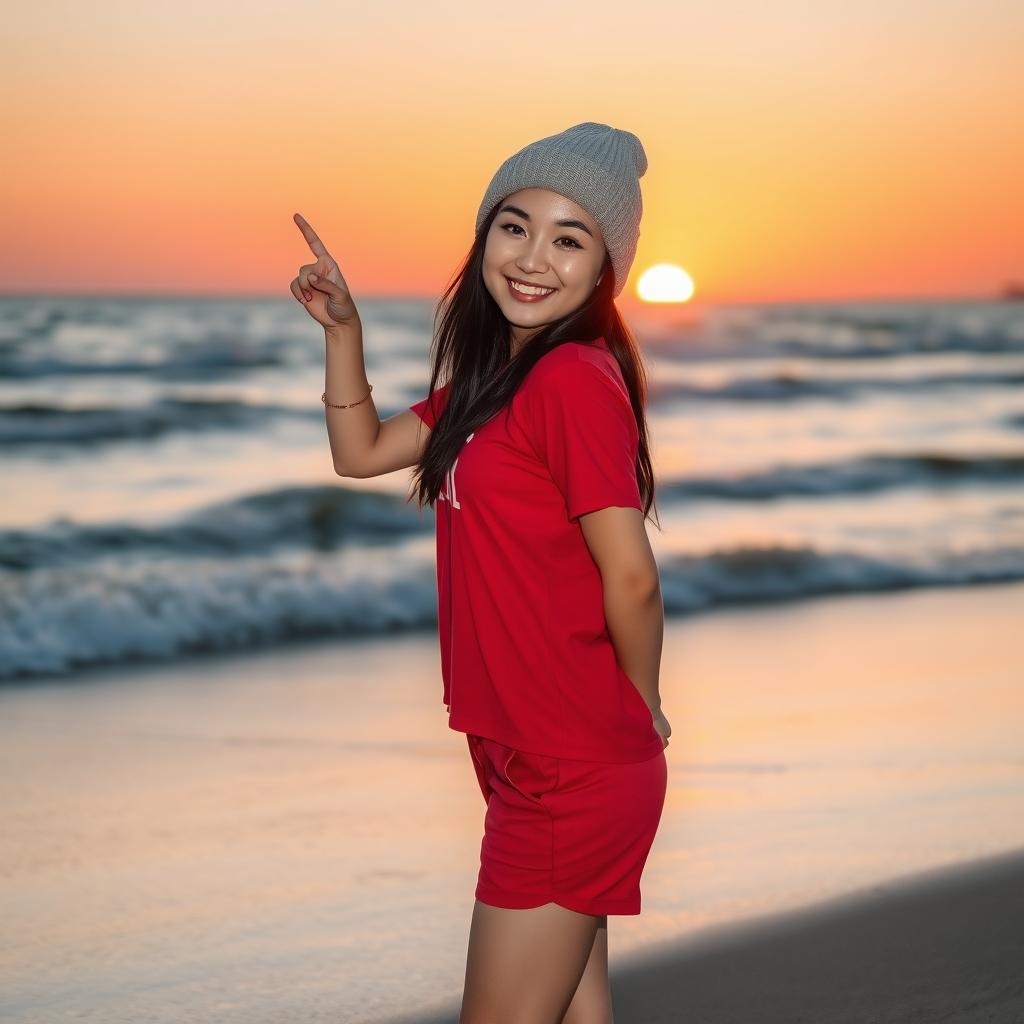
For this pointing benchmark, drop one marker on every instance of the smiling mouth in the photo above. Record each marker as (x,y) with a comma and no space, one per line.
(528,293)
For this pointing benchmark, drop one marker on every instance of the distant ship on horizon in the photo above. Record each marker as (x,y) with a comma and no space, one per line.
(1013,291)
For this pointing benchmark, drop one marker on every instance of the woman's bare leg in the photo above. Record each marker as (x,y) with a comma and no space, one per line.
(524,966)
(592,1003)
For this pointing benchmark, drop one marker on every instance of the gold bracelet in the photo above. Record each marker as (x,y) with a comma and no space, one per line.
(323,398)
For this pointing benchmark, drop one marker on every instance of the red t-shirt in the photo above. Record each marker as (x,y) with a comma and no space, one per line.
(526,656)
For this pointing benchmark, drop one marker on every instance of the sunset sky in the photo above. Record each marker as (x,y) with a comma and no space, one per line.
(797,151)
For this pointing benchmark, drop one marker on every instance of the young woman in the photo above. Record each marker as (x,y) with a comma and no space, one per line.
(535,457)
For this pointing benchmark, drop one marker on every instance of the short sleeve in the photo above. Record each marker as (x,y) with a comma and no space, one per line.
(429,409)
(583,428)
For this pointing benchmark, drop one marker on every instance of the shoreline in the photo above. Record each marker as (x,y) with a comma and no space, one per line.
(110,671)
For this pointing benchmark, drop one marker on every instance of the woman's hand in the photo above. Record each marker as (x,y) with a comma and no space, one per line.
(320,286)
(661,726)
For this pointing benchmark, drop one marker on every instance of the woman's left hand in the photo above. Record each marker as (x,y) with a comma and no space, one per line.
(661,726)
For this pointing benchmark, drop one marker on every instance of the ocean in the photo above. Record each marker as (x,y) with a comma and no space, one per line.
(169,488)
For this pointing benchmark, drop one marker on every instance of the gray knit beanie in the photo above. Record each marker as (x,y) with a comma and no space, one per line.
(596,166)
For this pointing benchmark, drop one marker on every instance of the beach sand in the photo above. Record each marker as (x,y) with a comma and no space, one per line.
(942,946)
(293,834)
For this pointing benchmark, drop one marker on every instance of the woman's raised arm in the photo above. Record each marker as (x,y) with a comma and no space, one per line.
(361,444)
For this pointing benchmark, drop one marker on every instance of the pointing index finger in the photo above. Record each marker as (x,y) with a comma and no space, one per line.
(311,236)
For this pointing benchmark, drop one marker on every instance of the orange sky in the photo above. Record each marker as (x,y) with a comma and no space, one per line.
(796,151)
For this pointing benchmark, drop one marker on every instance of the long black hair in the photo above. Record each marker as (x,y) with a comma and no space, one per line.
(472,348)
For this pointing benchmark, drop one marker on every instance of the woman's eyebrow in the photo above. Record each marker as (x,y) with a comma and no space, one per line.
(509,208)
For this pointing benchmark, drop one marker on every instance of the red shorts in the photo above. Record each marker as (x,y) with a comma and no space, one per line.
(571,832)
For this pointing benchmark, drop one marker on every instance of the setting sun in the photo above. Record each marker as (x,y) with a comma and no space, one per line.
(665,282)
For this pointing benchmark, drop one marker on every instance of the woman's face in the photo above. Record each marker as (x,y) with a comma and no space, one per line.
(546,241)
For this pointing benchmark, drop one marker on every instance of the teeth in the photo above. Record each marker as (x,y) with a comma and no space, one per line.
(529,289)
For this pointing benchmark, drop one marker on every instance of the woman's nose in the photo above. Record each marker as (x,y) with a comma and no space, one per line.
(532,262)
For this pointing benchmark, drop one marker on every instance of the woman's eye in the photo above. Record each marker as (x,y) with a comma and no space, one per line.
(566,238)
